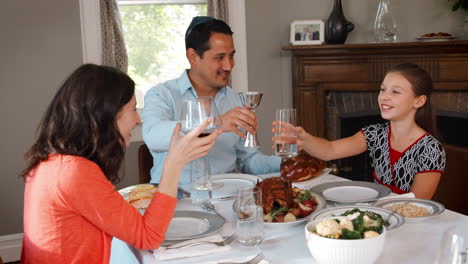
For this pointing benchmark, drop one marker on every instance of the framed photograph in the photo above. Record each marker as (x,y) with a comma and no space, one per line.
(307,32)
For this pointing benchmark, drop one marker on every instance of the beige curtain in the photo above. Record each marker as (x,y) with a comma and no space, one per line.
(218,9)
(113,46)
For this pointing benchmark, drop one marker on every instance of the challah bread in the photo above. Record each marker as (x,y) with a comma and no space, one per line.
(141,196)
(301,167)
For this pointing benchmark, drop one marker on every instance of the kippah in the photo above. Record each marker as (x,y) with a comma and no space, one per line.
(197,21)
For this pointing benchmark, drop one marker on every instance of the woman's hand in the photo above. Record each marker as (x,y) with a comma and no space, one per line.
(186,148)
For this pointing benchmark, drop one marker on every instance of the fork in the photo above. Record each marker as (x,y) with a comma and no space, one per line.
(255,260)
(219,243)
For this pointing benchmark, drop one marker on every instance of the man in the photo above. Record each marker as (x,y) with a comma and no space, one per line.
(210,51)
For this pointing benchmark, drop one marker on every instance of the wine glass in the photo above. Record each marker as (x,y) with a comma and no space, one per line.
(195,113)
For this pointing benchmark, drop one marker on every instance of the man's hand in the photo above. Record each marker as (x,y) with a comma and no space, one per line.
(239,118)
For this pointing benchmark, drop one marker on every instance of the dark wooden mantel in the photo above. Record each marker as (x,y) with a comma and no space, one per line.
(318,70)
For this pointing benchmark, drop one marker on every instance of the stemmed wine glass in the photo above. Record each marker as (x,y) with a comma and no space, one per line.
(251,100)
(193,114)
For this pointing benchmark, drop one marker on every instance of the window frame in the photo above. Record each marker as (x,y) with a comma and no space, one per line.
(91,39)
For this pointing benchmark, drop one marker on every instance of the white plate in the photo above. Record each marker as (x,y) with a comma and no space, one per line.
(305,184)
(321,203)
(232,182)
(351,192)
(433,207)
(440,38)
(394,221)
(193,224)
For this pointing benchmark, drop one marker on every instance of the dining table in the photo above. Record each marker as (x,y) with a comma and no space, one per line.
(413,242)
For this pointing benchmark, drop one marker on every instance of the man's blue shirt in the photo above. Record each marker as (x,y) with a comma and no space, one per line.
(163,107)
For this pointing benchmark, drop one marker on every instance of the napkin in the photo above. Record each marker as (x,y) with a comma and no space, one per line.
(409,195)
(163,253)
(238,260)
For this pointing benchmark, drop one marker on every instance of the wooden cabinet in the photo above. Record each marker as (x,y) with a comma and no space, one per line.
(321,70)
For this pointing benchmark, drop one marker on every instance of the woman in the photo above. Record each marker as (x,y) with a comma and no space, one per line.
(405,156)
(71,209)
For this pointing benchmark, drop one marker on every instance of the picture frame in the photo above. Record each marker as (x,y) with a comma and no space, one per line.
(307,32)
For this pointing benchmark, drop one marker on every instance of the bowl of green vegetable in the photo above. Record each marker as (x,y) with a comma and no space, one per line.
(354,237)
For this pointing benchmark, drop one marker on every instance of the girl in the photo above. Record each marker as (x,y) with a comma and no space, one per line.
(405,156)
(71,209)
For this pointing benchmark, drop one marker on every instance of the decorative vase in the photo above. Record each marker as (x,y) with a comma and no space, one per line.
(385,28)
(337,27)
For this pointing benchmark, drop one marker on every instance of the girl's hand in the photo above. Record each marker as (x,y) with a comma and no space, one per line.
(186,148)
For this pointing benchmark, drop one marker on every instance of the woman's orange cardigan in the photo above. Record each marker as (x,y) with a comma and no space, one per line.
(71,213)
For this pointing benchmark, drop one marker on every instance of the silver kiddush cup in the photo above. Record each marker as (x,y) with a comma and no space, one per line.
(251,100)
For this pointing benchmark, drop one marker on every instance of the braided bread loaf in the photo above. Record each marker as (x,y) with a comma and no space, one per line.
(301,167)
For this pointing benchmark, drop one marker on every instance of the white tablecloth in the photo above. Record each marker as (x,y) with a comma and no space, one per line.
(410,243)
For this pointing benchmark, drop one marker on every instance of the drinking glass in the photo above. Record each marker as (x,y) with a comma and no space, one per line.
(286,137)
(451,249)
(193,114)
(250,217)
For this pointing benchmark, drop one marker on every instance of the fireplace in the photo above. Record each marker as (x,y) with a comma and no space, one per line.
(453,128)
(335,87)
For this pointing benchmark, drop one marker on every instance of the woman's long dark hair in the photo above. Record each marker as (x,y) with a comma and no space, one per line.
(421,83)
(81,120)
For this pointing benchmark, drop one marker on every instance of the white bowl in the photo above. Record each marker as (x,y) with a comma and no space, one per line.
(337,251)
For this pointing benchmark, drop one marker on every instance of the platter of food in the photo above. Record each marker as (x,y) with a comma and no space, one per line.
(302,167)
(412,209)
(284,205)
(441,36)
(390,220)
(139,195)
(351,192)
(192,224)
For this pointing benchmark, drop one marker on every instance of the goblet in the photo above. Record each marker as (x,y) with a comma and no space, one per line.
(251,100)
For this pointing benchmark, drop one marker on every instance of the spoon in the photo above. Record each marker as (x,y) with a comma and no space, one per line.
(207,205)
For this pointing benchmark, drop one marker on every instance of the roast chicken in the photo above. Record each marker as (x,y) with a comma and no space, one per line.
(276,192)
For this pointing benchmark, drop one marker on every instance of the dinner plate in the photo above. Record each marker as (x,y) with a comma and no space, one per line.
(232,182)
(193,224)
(433,207)
(440,38)
(321,203)
(394,221)
(351,192)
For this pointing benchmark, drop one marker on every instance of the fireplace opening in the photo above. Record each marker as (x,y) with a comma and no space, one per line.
(453,128)
(356,168)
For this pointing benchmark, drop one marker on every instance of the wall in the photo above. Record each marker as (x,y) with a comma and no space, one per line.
(268,22)
(40,45)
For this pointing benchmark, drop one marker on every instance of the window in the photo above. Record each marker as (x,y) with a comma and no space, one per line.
(91,40)
(154,33)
